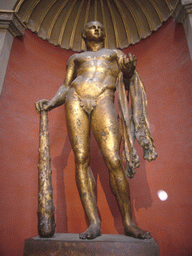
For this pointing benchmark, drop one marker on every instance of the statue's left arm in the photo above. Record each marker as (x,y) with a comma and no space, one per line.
(134,124)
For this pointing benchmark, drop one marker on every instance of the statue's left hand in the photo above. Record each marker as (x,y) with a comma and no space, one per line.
(129,64)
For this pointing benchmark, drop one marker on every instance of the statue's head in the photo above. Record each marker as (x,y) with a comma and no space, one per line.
(93,31)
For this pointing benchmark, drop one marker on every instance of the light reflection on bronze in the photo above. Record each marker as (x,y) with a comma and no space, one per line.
(88,93)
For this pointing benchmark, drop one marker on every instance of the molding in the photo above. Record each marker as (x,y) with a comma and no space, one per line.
(182,10)
(10,27)
(183,14)
(10,21)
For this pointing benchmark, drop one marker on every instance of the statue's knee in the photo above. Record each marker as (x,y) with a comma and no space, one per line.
(81,158)
(114,162)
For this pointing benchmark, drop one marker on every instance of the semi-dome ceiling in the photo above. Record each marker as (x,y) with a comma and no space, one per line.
(126,21)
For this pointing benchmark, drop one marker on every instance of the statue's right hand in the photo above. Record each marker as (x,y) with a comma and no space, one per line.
(43,105)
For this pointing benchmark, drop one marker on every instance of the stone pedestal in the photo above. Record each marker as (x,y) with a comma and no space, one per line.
(105,245)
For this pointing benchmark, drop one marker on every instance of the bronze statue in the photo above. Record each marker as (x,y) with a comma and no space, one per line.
(88,93)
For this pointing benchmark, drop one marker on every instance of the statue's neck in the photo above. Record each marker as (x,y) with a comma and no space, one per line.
(94,46)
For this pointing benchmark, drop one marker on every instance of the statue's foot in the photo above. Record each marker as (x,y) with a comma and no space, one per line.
(134,231)
(92,232)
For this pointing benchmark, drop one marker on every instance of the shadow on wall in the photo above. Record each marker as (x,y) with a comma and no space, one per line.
(141,199)
(60,163)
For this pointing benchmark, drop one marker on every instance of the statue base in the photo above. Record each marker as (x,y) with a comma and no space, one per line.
(105,245)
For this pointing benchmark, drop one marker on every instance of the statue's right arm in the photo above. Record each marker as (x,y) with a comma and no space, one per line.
(61,94)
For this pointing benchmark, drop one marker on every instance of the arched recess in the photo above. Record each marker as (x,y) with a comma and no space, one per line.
(126,22)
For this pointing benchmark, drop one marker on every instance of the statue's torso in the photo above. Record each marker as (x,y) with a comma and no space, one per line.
(96,72)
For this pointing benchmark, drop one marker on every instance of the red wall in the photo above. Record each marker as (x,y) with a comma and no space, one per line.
(36,69)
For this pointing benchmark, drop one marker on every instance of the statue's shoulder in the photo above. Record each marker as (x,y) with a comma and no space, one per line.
(72,57)
(77,56)
(119,53)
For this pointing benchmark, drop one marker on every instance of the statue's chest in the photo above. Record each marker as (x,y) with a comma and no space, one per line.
(96,57)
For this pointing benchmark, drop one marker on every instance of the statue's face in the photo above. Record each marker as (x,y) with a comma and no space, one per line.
(94,31)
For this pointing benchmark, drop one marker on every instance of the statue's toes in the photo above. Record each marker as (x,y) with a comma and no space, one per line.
(145,235)
(91,235)
(82,236)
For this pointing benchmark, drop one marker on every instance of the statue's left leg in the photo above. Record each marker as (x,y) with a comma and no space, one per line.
(105,129)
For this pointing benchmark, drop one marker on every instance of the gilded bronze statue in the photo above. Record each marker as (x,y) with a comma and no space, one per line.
(88,93)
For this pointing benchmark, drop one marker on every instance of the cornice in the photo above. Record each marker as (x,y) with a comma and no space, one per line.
(181,11)
(9,20)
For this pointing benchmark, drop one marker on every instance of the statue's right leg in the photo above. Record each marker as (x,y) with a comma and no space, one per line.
(79,133)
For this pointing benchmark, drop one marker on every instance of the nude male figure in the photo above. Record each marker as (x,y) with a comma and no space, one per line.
(88,94)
